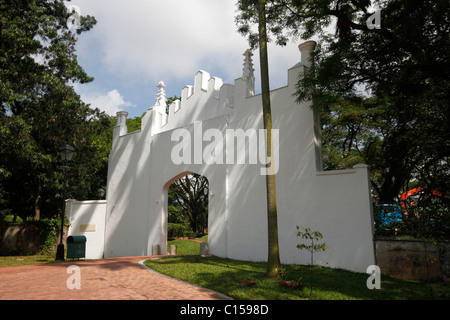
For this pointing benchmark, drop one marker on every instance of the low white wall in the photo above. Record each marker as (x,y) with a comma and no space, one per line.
(87,218)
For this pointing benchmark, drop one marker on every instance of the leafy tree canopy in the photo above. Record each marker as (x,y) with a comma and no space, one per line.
(382,91)
(40,111)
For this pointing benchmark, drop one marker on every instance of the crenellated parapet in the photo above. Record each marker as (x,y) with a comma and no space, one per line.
(207,98)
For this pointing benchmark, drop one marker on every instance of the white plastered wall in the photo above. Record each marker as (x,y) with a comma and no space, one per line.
(336,203)
(87,218)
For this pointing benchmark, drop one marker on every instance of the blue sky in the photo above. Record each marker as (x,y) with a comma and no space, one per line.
(137,43)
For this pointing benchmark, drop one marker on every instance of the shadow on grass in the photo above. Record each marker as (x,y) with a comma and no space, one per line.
(225,276)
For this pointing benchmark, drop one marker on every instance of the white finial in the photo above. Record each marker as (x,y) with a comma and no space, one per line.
(161,95)
(247,72)
(122,122)
(306,48)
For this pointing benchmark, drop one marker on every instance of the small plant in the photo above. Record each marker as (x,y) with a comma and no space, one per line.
(314,246)
(281,273)
(427,259)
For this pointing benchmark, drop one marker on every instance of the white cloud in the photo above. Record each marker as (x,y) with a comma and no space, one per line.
(111,102)
(151,40)
(137,43)
(143,40)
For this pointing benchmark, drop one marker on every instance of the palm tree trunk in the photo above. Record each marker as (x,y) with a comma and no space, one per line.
(273,260)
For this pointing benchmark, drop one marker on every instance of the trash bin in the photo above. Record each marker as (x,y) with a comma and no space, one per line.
(76,247)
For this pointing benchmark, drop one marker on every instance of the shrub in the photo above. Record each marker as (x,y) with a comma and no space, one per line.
(175,230)
(425,220)
(190,234)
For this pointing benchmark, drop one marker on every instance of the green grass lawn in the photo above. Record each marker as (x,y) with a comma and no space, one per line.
(225,276)
(185,246)
(10,261)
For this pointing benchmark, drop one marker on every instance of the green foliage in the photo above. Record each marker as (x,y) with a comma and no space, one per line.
(425,216)
(428,220)
(408,110)
(382,93)
(40,111)
(314,237)
(175,210)
(188,202)
(175,230)
(134,124)
(348,126)
(48,234)
(313,246)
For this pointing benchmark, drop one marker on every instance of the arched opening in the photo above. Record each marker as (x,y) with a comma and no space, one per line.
(185,209)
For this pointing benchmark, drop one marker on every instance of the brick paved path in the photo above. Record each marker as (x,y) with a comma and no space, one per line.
(106,279)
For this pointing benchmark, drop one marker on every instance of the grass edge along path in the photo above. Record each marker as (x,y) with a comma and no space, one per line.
(245,280)
(229,277)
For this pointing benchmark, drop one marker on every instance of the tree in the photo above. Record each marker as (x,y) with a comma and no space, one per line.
(95,163)
(39,109)
(134,124)
(346,130)
(403,78)
(402,65)
(191,194)
(256,11)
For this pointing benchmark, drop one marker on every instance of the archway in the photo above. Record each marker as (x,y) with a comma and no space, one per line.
(185,208)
